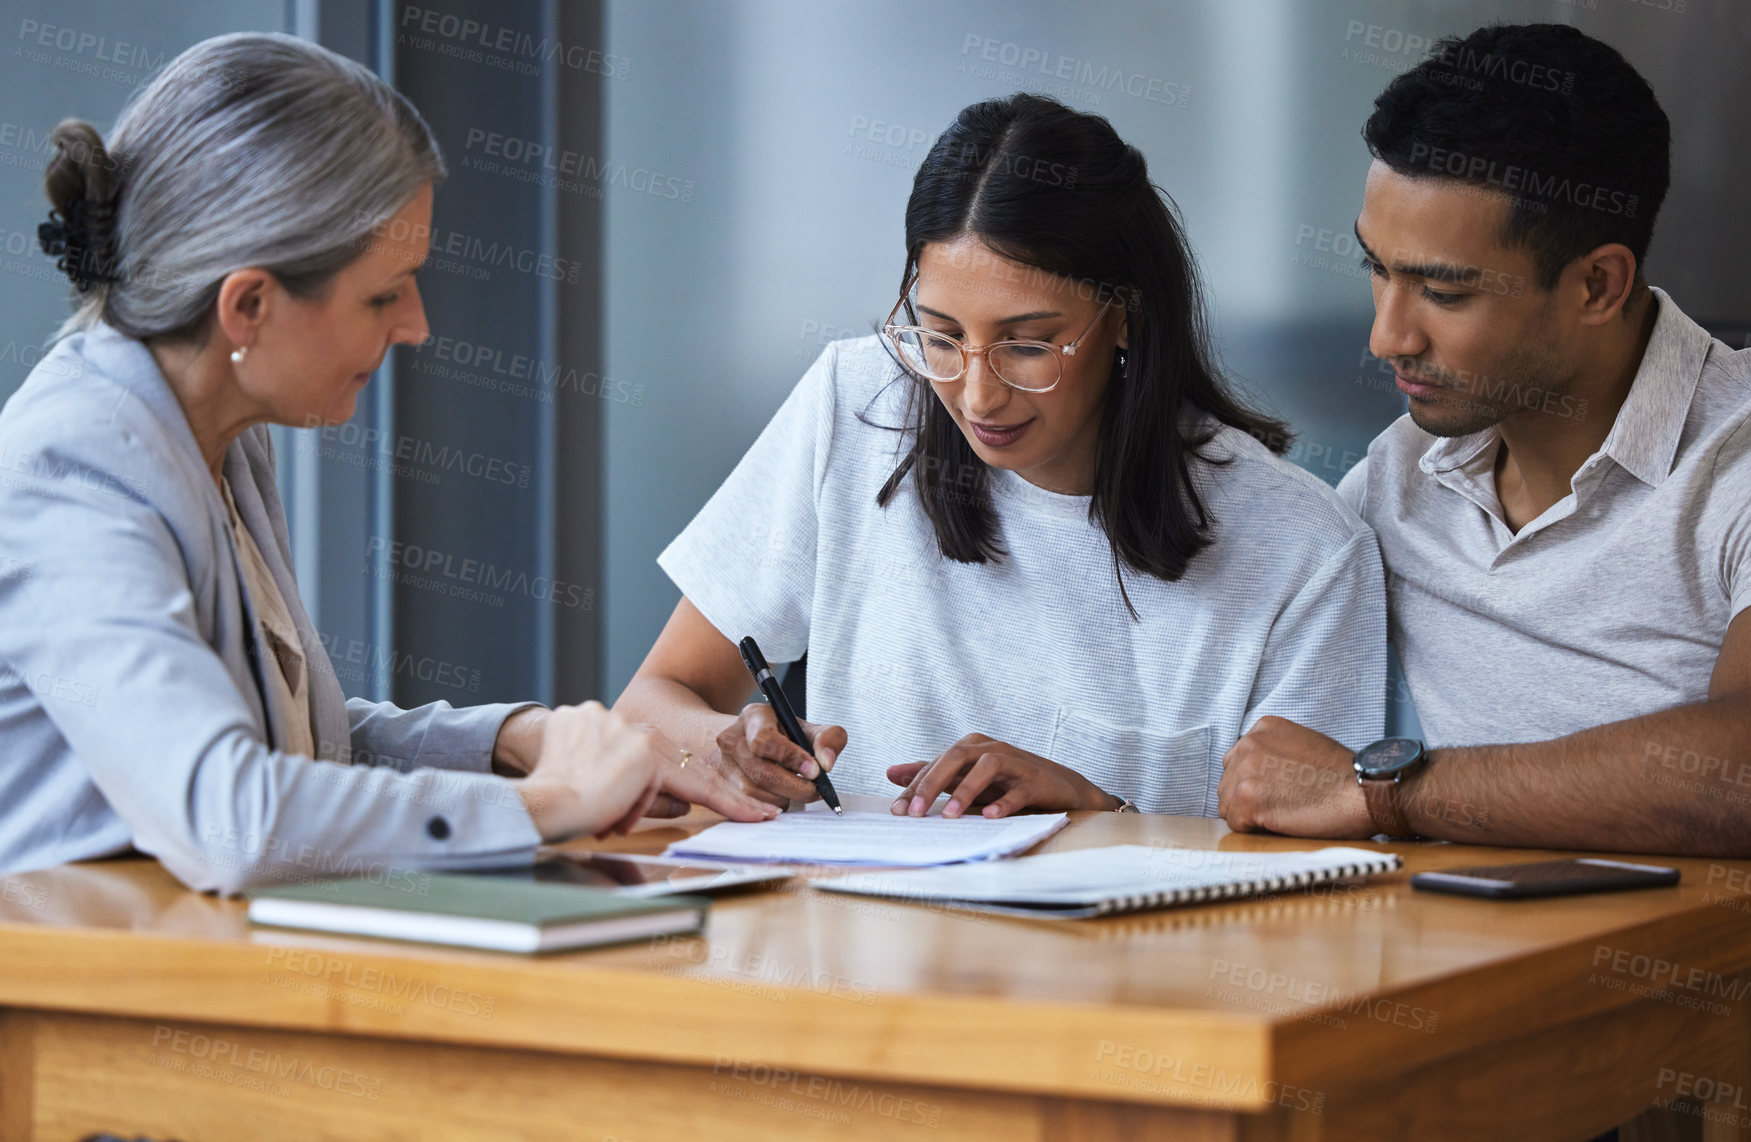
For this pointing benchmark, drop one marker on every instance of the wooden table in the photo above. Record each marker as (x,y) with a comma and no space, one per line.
(1366,1012)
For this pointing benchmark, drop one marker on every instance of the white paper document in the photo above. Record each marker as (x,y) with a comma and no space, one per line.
(873,838)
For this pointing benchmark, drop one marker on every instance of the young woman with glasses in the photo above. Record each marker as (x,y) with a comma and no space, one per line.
(1038,555)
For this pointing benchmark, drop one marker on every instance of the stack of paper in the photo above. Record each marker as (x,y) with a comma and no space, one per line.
(875,838)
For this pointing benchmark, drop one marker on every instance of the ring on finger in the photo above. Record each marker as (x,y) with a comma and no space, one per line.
(686,756)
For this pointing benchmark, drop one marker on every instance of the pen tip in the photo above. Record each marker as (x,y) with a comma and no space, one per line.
(837,811)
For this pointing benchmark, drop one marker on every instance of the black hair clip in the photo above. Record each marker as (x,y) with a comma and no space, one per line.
(68,238)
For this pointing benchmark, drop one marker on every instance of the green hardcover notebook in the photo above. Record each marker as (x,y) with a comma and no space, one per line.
(476,912)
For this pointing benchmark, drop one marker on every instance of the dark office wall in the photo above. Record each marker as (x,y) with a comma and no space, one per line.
(491,261)
(493,558)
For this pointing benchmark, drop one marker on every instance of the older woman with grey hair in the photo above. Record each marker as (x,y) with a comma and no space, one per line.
(244,252)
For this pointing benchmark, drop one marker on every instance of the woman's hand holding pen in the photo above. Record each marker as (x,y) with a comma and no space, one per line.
(770,763)
(982,771)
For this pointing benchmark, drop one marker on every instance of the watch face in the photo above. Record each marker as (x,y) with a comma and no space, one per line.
(1389,758)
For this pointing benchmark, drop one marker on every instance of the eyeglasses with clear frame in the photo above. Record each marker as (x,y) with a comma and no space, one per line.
(1030,366)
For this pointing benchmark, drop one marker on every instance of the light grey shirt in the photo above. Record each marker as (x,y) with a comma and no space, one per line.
(130,710)
(1284,613)
(1613,603)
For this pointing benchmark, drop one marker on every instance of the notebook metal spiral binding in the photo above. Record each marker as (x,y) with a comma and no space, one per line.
(1387,862)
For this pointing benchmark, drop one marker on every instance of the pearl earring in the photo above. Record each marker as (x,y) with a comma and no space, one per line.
(237,354)
(1121,362)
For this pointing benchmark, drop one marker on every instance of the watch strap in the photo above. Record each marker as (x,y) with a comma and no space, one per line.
(1382,798)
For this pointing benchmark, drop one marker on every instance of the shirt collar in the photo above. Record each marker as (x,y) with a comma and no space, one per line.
(1450,452)
(1644,438)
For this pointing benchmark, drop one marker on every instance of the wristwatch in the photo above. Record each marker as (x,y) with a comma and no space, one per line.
(1380,769)
(1126,805)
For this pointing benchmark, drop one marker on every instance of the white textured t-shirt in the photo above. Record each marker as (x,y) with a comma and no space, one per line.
(1613,603)
(1283,614)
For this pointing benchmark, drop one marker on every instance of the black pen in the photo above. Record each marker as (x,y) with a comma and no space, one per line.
(756,663)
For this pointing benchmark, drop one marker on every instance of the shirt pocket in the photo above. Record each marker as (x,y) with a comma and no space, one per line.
(1161,773)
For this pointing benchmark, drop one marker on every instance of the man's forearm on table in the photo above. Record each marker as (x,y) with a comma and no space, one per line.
(1678,781)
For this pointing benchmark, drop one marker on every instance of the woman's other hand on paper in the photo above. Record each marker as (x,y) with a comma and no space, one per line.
(1000,779)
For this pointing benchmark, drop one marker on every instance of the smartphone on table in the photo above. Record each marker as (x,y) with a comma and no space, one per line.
(1546,878)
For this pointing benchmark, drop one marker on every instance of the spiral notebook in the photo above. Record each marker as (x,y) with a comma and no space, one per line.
(1117,878)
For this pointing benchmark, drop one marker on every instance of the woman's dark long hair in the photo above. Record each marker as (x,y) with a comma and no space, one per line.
(1057,189)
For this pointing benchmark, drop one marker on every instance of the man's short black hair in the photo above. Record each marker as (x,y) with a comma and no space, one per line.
(1554,121)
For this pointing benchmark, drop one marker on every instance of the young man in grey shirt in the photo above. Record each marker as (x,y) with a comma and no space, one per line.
(1565,512)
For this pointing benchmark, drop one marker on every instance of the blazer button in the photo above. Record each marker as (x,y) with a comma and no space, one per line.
(438,828)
